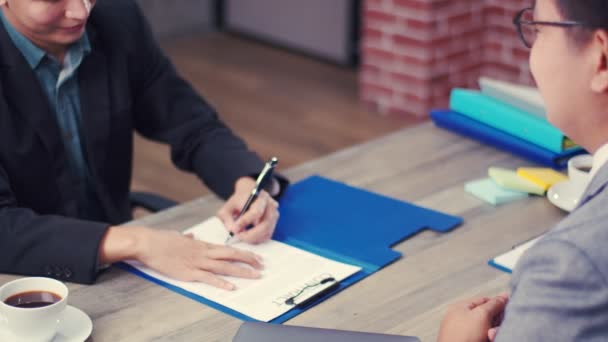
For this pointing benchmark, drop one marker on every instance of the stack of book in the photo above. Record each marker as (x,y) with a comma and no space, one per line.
(510,117)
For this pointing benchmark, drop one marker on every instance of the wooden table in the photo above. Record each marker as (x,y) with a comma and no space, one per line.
(423,165)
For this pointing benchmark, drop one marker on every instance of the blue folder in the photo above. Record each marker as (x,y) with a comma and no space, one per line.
(499,267)
(342,223)
(470,128)
(504,117)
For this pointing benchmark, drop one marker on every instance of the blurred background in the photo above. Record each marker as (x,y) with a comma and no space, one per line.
(303,78)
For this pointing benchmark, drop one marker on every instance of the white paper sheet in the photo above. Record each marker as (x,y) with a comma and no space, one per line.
(287,270)
(519,96)
(509,260)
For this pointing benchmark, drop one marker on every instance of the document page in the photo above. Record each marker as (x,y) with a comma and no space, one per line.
(288,272)
(509,259)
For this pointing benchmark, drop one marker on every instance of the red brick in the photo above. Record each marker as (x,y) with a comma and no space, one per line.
(521,53)
(461,19)
(423,63)
(494,11)
(386,17)
(408,79)
(409,41)
(373,68)
(442,5)
(379,53)
(492,46)
(413,4)
(381,90)
(512,69)
(422,25)
(372,33)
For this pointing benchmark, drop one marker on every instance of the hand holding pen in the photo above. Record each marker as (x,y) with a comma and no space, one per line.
(251,214)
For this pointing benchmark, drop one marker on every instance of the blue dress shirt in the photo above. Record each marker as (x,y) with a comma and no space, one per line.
(60,84)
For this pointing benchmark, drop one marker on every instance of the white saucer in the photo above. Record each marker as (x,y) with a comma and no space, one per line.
(75,326)
(565,195)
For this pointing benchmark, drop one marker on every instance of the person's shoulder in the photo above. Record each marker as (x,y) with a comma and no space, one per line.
(557,288)
(587,229)
(574,247)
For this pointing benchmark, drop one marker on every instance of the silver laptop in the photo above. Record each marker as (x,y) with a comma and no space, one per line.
(265,332)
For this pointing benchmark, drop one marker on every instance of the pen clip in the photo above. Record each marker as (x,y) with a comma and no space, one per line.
(265,175)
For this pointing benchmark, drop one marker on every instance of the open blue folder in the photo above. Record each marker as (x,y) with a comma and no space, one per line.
(342,223)
(470,128)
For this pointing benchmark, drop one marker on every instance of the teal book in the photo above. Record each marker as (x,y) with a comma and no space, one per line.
(509,119)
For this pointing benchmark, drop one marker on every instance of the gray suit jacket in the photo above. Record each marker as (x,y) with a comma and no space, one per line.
(560,286)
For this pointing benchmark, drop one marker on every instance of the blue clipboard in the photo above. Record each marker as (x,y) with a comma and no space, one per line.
(343,223)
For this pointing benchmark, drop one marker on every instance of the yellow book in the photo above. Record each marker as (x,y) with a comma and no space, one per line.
(542,177)
(569,143)
(509,179)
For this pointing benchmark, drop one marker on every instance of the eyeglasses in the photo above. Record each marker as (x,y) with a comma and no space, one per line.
(526,25)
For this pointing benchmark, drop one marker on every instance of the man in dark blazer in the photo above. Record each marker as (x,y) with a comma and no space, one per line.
(76,80)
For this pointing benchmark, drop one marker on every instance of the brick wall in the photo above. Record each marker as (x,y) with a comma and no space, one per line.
(415,51)
(505,56)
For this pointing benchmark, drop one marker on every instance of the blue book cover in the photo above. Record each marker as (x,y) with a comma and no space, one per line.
(509,119)
(468,127)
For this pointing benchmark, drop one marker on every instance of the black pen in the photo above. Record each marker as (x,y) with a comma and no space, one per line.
(314,298)
(260,183)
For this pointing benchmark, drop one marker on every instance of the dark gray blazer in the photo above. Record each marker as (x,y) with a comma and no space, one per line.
(560,286)
(126,85)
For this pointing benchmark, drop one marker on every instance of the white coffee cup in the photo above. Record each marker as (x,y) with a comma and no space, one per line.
(32,324)
(579,168)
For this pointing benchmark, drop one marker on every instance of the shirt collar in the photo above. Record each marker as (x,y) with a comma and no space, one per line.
(33,54)
(599,159)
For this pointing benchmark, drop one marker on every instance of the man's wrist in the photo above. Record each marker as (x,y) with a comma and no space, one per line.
(120,243)
(274,188)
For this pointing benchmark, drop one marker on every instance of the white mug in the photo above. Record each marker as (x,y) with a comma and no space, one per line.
(32,324)
(579,171)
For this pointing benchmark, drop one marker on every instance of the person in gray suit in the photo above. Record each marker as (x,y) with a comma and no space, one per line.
(559,288)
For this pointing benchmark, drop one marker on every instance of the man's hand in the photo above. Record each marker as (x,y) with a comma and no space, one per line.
(471,320)
(178,256)
(263,214)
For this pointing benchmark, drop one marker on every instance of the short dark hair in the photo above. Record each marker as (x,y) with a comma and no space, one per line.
(593,14)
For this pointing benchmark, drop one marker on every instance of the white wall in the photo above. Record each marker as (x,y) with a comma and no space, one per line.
(319,27)
(169,17)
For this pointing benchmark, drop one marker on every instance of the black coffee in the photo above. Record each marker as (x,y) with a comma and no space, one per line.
(32,299)
(585,169)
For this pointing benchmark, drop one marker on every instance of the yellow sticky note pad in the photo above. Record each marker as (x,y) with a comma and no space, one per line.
(509,179)
(542,177)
